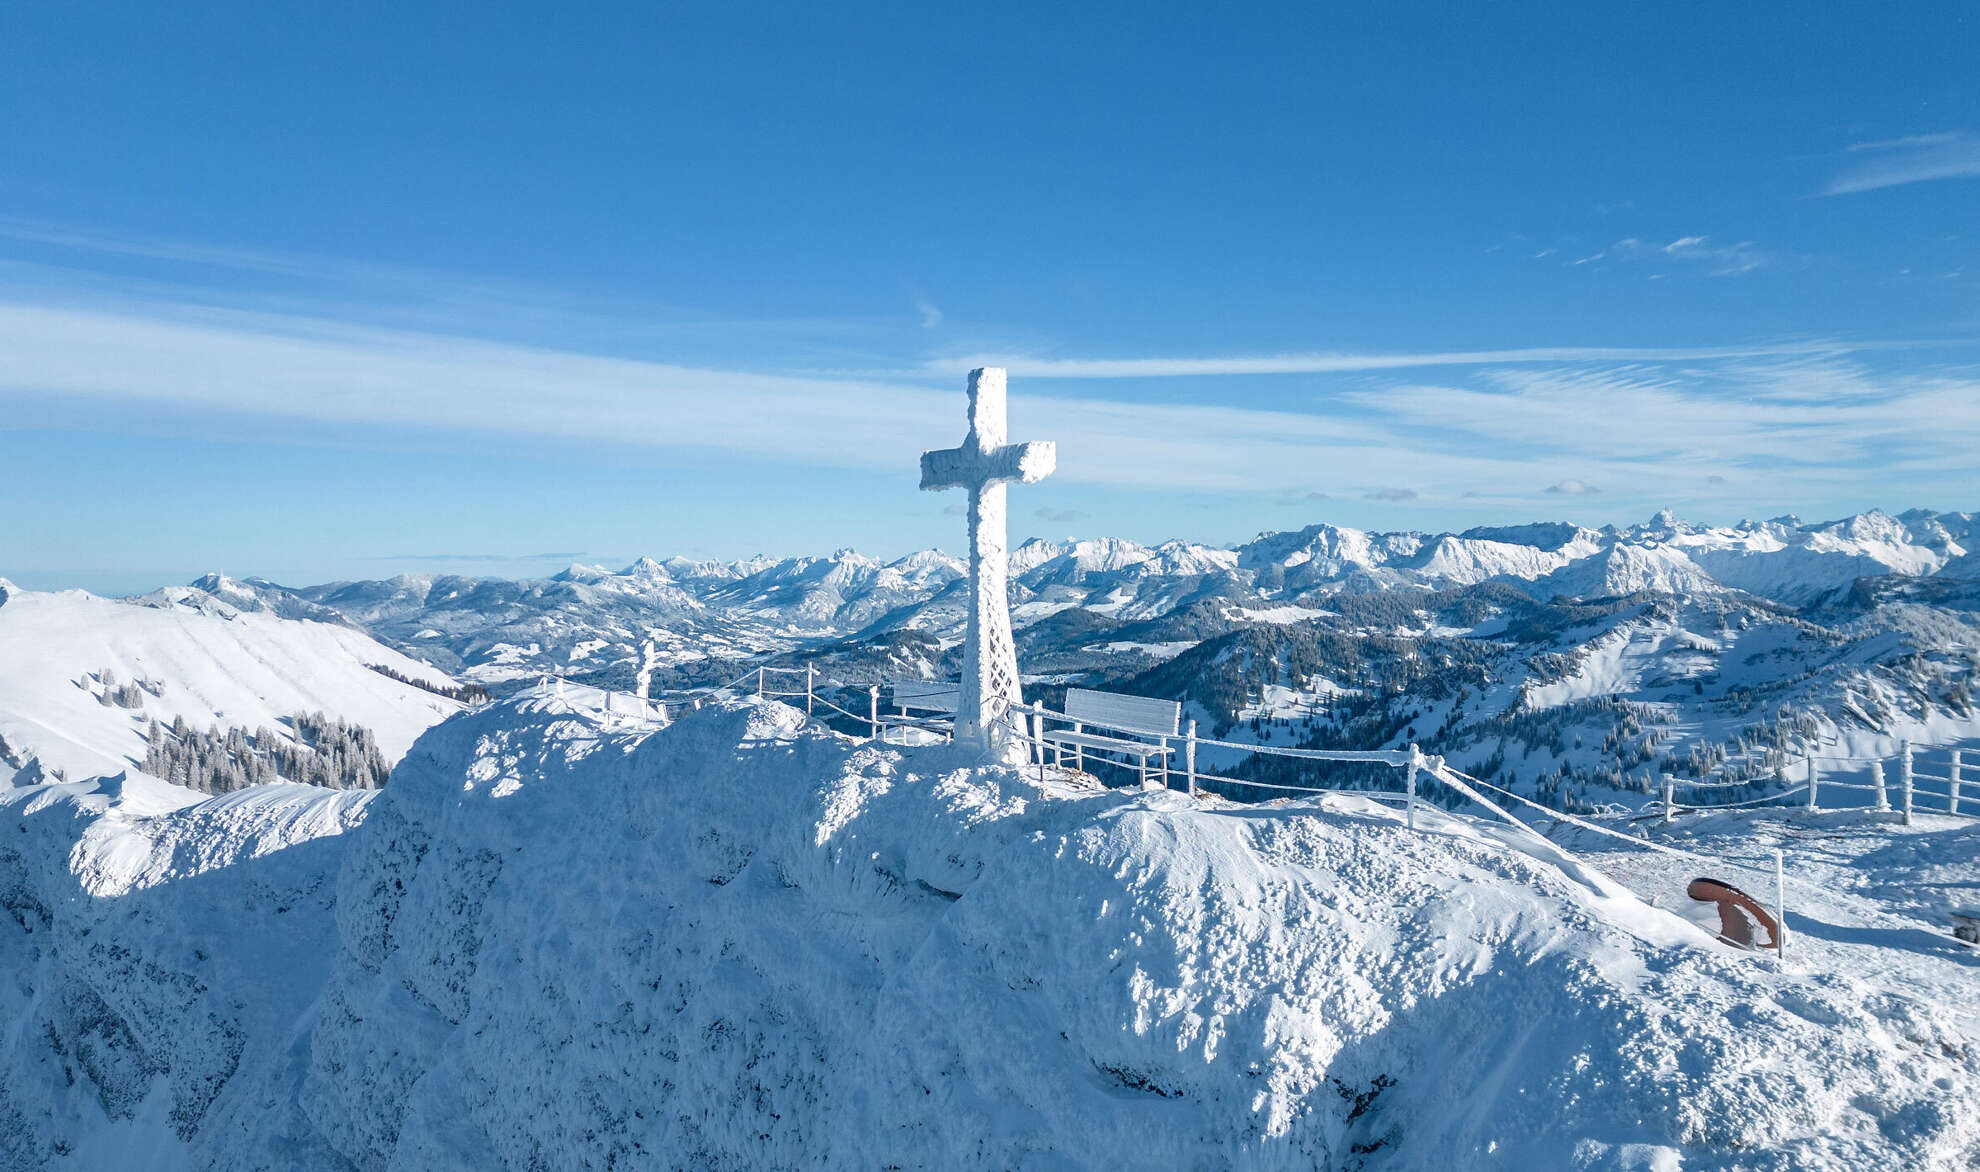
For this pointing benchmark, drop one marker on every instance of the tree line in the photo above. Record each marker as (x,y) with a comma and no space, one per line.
(319,750)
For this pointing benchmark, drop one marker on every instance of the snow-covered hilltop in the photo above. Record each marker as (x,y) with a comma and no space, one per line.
(82,678)
(740,941)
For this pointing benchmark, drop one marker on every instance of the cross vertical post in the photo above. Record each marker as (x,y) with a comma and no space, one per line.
(983,465)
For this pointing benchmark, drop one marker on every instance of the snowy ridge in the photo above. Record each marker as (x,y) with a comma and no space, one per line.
(186,653)
(741,942)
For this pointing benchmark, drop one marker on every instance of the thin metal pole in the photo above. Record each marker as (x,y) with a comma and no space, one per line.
(1189,755)
(810,673)
(1409,786)
(1780,906)
(873,708)
(759,681)
(1904,782)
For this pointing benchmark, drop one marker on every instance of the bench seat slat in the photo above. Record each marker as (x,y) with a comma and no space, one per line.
(1089,740)
(939,723)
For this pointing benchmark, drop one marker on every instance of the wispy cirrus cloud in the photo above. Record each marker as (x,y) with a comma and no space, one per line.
(1914,159)
(1803,419)
(1337,362)
(1059,516)
(478,557)
(1718,260)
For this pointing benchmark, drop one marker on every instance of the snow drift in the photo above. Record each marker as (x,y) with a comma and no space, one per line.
(738,942)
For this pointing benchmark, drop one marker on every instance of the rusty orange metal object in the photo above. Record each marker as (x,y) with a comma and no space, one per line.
(1739,913)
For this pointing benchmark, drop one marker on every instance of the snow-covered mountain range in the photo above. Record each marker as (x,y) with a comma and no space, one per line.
(587,619)
(1577,664)
(1561,658)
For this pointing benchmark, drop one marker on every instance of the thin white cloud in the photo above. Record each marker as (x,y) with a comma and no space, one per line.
(1572,488)
(1914,159)
(1338,362)
(1800,419)
(1719,260)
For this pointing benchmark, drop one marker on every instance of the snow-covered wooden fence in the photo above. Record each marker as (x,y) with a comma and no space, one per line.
(1917,772)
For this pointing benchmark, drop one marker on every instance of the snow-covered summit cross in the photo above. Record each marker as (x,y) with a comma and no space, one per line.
(984,464)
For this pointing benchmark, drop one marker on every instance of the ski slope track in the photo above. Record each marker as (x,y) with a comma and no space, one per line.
(742,942)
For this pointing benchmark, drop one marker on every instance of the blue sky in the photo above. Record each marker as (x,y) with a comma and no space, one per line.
(345,293)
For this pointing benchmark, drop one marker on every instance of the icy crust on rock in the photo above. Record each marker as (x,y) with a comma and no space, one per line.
(740,943)
(159,956)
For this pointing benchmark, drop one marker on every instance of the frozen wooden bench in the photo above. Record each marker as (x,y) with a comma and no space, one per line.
(928,705)
(1141,728)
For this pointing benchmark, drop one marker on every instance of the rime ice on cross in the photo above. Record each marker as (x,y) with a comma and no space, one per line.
(984,464)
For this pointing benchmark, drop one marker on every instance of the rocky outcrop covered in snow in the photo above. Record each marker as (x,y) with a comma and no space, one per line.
(741,942)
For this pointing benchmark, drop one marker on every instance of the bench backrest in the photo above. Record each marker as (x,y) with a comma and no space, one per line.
(1113,710)
(926,695)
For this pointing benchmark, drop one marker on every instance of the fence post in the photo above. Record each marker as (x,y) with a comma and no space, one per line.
(810,674)
(1780,906)
(1812,782)
(759,681)
(1409,786)
(1670,799)
(1904,782)
(1189,755)
(1038,737)
(873,708)
(1877,780)
(1952,784)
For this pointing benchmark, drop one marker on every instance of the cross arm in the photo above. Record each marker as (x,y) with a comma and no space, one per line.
(965,467)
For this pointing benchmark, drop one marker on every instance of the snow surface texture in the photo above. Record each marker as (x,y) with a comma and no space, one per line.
(211,664)
(737,942)
(161,953)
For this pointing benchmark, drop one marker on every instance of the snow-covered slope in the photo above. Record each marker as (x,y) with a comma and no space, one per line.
(737,942)
(160,955)
(183,653)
